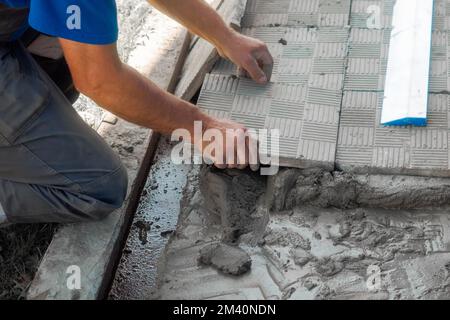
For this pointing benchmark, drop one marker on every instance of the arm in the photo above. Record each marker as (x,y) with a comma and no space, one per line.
(98,73)
(249,54)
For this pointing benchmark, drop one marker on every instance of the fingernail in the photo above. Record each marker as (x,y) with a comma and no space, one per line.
(263,79)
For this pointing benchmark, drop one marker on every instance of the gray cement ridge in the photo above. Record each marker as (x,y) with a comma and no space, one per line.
(304,249)
(328,86)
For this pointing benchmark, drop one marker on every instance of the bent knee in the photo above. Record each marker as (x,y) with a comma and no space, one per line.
(106,194)
(90,202)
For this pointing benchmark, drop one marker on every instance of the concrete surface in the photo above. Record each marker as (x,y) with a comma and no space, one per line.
(91,246)
(303,251)
(309,234)
(315,233)
(156,218)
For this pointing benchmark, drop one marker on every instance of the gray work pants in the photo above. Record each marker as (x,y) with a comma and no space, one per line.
(53,167)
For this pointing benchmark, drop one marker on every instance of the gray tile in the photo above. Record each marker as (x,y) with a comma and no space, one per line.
(328,86)
(302,102)
(367,147)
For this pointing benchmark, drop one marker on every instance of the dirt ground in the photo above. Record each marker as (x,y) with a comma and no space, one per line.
(22,247)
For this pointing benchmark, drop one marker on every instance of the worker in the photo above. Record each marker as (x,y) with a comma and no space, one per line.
(53,166)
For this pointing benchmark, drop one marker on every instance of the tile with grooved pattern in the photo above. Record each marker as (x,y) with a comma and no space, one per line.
(327,87)
(363,144)
(308,40)
(302,101)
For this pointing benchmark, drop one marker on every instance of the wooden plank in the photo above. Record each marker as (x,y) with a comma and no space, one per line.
(94,247)
(203,55)
(406,87)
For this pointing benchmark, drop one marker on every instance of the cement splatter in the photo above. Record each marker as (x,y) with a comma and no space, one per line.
(324,233)
(227,259)
(319,188)
(234,198)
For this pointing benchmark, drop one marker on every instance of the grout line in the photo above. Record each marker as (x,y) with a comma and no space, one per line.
(346,63)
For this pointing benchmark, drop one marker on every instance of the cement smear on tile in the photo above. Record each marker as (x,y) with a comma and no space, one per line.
(319,246)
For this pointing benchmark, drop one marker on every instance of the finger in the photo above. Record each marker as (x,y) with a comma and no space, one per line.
(217,158)
(220,166)
(242,154)
(253,153)
(221,162)
(266,62)
(230,149)
(265,57)
(243,73)
(240,147)
(255,71)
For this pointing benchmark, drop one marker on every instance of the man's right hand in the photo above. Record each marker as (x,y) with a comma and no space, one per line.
(228,144)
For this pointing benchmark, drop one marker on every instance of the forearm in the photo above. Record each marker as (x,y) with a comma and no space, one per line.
(198,17)
(136,99)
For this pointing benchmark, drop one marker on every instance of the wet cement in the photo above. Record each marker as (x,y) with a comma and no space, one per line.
(228,259)
(311,234)
(323,189)
(156,219)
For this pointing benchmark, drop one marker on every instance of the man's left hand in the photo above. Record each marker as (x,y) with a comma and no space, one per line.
(249,54)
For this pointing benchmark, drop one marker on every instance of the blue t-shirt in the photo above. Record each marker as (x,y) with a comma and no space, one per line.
(87,21)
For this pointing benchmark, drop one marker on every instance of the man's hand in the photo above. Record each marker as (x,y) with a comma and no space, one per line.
(250,55)
(228,144)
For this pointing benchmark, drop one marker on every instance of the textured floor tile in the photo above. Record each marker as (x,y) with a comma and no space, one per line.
(323,72)
(369,47)
(306,113)
(366,146)
(297,13)
(371,13)
(308,40)
(203,55)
